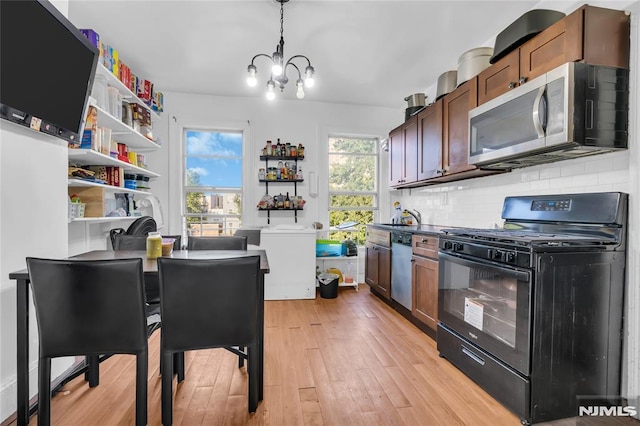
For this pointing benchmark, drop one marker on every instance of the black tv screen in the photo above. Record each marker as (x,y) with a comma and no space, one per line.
(46,68)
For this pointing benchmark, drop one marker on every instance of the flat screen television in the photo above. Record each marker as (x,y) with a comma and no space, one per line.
(47,68)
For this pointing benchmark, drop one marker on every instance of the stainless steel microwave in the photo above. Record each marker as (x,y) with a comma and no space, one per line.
(574,110)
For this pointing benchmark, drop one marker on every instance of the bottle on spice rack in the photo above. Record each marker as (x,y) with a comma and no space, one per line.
(300,150)
(287,202)
(299,174)
(278,149)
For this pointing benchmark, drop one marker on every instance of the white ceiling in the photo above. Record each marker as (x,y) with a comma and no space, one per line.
(364,52)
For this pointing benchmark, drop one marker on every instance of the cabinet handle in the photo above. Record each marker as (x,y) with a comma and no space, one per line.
(522,80)
(424,240)
(511,85)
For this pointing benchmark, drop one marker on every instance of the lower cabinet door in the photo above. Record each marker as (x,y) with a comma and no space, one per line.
(424,279)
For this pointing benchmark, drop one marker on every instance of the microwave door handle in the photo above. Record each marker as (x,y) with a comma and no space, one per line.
(537,120)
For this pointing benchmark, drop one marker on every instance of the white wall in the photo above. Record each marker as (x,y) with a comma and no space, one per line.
(33,222)
(303,122)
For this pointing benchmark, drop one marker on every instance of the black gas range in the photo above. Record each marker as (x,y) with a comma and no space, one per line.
(533,311)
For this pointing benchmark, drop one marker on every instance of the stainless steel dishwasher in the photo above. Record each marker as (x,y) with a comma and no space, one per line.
(401,268)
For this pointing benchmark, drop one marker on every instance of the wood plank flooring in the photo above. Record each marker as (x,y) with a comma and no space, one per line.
(345,361)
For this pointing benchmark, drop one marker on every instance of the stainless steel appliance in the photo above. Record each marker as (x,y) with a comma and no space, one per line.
(533,312)
(574,110)
(401,268)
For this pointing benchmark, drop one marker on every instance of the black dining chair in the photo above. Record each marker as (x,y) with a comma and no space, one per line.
(236,242)
(209,303)
(139,242)
(89,307)
(223,242)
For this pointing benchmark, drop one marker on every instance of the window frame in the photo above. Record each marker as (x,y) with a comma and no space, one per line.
(186,189)
(376,180)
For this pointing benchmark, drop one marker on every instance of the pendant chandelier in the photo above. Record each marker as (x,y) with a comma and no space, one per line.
(279,67)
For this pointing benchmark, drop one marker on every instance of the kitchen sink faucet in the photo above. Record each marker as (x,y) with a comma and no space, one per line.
(416,214)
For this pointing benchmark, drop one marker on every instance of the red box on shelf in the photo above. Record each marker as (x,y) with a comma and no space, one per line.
(144,90)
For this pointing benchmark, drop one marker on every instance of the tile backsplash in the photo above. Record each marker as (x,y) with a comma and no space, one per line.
(478,202)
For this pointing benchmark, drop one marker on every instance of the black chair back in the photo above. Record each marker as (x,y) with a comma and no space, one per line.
(139,242)
(89,308)
(217,243)
(208,304)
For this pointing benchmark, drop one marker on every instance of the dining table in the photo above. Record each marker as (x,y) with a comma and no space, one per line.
(150,268)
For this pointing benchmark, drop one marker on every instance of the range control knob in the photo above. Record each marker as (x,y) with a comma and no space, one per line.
(497,255)
(510,257)
(447,245)
(457,246)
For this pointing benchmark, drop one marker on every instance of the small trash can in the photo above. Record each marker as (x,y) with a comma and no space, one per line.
(328,285)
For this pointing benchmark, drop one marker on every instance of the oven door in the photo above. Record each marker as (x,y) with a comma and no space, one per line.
(488,305)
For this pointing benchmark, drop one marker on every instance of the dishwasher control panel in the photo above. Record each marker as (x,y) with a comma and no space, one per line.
(403,238)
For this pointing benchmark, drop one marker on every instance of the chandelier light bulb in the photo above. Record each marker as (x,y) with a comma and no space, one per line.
(300,91)
(271,95)
(276,69)
(309,81)
(251,78)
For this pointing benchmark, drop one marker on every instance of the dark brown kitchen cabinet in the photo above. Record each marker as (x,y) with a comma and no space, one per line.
(377,271)
(430,141)
(424,279)
(403,151)
(456,107)
(589,34)
(377,266)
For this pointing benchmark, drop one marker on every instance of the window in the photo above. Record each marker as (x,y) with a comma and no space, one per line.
(353,190)
(213,182)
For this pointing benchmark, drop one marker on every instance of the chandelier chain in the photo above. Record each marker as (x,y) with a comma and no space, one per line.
(281,20)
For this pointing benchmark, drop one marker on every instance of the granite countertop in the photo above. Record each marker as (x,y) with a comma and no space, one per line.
(414,229)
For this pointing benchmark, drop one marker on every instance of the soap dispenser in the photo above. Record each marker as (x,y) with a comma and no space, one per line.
(397,213)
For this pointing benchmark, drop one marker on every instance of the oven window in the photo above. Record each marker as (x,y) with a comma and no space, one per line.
(483,297)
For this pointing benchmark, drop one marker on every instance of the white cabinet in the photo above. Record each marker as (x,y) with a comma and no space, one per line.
(292,263)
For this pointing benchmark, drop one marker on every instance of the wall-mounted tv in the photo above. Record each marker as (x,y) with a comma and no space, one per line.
(46,68)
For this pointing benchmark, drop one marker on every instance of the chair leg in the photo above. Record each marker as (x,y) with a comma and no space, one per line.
(93,370)
(167,388)
(142,372)
(240,358)
(178,365)
(253,368)
(44,391)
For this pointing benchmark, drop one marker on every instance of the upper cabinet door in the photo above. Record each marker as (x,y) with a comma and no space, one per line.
(396,156)
(411,150)
(403,152)
(499,78)
(457,105)
(430,141)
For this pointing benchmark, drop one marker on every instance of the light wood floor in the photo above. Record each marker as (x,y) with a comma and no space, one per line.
(345,361)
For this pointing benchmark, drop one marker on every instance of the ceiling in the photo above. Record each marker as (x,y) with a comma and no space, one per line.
(364,52)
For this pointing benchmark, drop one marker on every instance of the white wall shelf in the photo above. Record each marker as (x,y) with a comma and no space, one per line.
(339,262)
(113,81)
(102,219)
(122,133)
(87,157)
(75,183)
